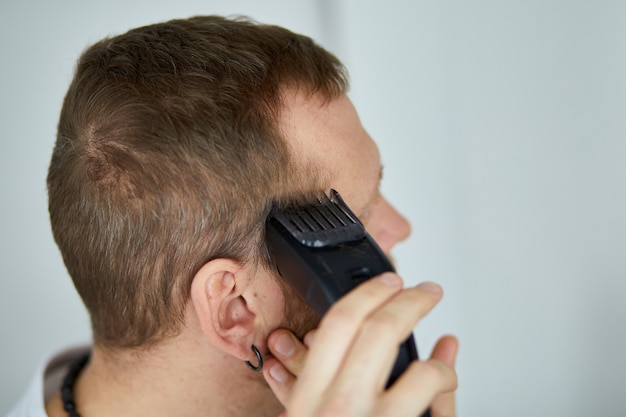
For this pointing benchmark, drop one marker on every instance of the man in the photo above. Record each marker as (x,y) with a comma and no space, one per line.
(174,141)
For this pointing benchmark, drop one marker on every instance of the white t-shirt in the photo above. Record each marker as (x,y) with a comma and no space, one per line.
(46,383)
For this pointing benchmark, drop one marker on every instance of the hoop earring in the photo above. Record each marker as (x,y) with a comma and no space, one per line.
(259,359)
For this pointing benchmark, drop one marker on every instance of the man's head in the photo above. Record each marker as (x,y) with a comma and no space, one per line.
(168,155)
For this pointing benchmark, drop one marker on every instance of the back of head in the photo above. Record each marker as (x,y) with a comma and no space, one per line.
(168,155)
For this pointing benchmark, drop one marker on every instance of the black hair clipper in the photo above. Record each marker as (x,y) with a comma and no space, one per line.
(323,251)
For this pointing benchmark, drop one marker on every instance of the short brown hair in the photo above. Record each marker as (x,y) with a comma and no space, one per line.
(168,155)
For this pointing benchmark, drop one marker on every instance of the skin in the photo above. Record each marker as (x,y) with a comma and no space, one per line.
(200,372)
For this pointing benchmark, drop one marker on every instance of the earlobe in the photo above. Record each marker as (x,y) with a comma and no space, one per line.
(217,296)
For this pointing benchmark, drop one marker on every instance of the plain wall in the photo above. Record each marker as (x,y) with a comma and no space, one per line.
(502,130)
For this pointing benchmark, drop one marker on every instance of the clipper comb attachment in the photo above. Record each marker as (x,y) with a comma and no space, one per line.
(327,223)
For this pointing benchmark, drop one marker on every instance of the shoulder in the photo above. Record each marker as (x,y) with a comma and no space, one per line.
(45,383)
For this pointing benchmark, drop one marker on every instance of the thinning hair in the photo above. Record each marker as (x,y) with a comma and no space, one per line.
(168,154)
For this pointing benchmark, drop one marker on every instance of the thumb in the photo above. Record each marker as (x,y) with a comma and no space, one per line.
(445,351)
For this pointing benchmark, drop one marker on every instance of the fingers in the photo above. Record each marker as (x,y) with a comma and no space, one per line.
(290,357)
(376,345)
(444,405)
(279,379)
(286,347)
(445,351)
(341,368)
(339,327)
(358,340)
(424,378)
(308,338)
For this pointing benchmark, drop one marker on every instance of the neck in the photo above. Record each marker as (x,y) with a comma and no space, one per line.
(178,377)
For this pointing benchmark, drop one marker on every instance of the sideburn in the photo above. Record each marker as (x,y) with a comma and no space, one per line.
(299,317)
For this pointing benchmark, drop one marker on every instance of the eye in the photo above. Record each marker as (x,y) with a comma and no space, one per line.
(367,212)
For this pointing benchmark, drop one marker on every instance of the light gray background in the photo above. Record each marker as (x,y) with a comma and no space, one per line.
(502,127)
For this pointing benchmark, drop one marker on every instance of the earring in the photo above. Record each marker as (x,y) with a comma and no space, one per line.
(259,360)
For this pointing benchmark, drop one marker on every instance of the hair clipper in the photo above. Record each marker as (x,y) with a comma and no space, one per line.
(323,251)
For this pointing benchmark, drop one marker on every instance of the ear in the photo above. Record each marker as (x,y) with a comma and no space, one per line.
(217,296)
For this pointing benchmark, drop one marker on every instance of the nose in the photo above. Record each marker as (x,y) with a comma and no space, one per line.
(387,226)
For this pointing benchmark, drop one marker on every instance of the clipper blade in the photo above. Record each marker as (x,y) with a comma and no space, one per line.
(328,222)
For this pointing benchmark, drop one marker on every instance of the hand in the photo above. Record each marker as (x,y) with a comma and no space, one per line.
(351,355)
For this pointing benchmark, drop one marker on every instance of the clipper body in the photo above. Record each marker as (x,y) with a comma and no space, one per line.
(323,251)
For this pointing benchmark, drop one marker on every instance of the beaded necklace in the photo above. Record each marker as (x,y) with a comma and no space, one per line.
(67,388)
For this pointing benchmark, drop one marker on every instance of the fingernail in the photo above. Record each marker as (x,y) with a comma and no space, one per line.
(430,287)
(284,345)
(392,280)
(278,373)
